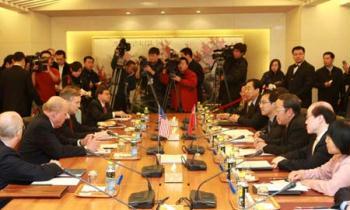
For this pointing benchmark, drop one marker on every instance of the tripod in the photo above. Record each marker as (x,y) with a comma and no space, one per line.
(116,76)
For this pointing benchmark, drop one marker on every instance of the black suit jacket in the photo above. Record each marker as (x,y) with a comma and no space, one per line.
(17,91)
(304,159)
(301,82)
(294,137)
(335,91)
(271,77)
(14,170)
(40,144)
(95,113)
(343,194)
(251,116)
(272,132)
(65,71)
(197,68)
(72,130)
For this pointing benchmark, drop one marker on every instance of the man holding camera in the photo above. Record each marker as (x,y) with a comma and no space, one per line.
(45,77)
(184,95)
(234,74)
(151,77)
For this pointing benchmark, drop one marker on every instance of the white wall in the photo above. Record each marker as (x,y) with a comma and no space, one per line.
(326,27)
(28,32)
(274,22)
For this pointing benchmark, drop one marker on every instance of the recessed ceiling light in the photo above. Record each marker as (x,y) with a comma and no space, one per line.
(128,13)
(198,11)
(162,12)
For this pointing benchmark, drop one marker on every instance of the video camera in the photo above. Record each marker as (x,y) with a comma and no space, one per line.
(36,63)
(171,64)
(224,53)
(122,47)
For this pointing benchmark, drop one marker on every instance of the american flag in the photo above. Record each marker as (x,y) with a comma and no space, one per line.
(192,121)
(164,127)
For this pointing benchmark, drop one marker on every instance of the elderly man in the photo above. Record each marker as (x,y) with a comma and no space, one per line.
(12,168)
(40,143)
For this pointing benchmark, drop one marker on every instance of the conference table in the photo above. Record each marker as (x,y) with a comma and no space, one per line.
(133,182)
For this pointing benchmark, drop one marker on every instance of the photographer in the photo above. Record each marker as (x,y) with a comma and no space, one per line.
(45,77)
(151,77)
(196,68)
(234,74)
(184,95)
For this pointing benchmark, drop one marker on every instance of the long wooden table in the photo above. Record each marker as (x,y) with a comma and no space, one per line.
(133,182)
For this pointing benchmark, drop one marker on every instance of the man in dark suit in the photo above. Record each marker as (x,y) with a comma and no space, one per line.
(235,75)
(14,170)
(16,88)
(196,68)
(319,116)
(61,65)
(99,109)
(272,131)
(250,115)
(330,82)
(288,108)
(300,77)
(40,143)
(72,131)
(342,199)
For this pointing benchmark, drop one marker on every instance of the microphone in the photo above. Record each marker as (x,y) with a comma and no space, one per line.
(98,189)
(205,200)
(257,153)
(146,171)
(194,165)
(290,185)
(138,200)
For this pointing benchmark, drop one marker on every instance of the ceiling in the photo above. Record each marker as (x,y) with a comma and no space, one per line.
(152,7)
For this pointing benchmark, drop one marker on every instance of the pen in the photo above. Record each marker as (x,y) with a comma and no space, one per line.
(120,179)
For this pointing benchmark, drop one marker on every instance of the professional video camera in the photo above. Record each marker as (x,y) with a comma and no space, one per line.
(122,47)
(171,64)
(224,53)
(36,63)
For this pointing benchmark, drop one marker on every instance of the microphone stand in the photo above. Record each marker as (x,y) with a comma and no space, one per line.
(143,199)
(98,189)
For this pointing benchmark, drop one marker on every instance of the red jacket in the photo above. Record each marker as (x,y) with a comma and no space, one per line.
(186,91)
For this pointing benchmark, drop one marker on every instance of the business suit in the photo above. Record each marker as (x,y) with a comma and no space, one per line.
(272,132)
(293,138)
(14,170)
(197,68)
(342,195)
(96,113)
(17,91)
(251,116)
(65,69)
(301,82)
(236,75)
(335,91)
(275,78)
(304,159)
(40,144)
(73,130)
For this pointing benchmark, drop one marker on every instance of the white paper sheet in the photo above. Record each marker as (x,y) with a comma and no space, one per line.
(277,185)
(243,152)
(172,158)
(87,188)
(59,182)
(254,164)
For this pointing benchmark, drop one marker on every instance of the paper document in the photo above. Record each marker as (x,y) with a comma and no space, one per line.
(259,164)
(244,152)
(172,158)
(59,182)
(87,188)
(277,185)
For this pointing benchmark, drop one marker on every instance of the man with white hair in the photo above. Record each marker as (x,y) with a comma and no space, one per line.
(12,168)
(40,143)
(319,116)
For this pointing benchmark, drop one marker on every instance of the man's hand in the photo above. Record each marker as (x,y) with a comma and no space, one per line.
(120,114)
(234,117)
(223,116)
(257,134)
(92,145)
(176,78)
(149,70)
(328,83)
(84,141)
(56,162)
(295,176)
(276,160)
(259,144)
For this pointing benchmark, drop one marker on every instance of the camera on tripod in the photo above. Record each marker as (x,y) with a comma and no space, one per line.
(224,53)
(122,47)
(171,63)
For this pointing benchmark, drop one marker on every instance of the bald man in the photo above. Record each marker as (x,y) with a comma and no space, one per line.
(40,143)
(13,169)
(319,116)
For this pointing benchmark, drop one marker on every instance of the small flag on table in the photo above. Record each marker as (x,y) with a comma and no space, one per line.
(164,127)
(193,121)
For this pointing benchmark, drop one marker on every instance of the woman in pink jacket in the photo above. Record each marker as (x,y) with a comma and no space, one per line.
(334,174)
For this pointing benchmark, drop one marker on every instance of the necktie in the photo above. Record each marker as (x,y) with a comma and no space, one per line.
(105,109)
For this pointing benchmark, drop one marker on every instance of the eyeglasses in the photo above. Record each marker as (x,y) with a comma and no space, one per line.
(280,110)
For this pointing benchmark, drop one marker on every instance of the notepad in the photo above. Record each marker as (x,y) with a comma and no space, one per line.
(87,188)
(238,132)
(277,185)
(172,158)
(76,172)
(59,182)
(103,135)
(255,165)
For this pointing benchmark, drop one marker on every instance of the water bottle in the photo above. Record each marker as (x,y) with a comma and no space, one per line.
(146,112)
(110,178)
(133,148)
